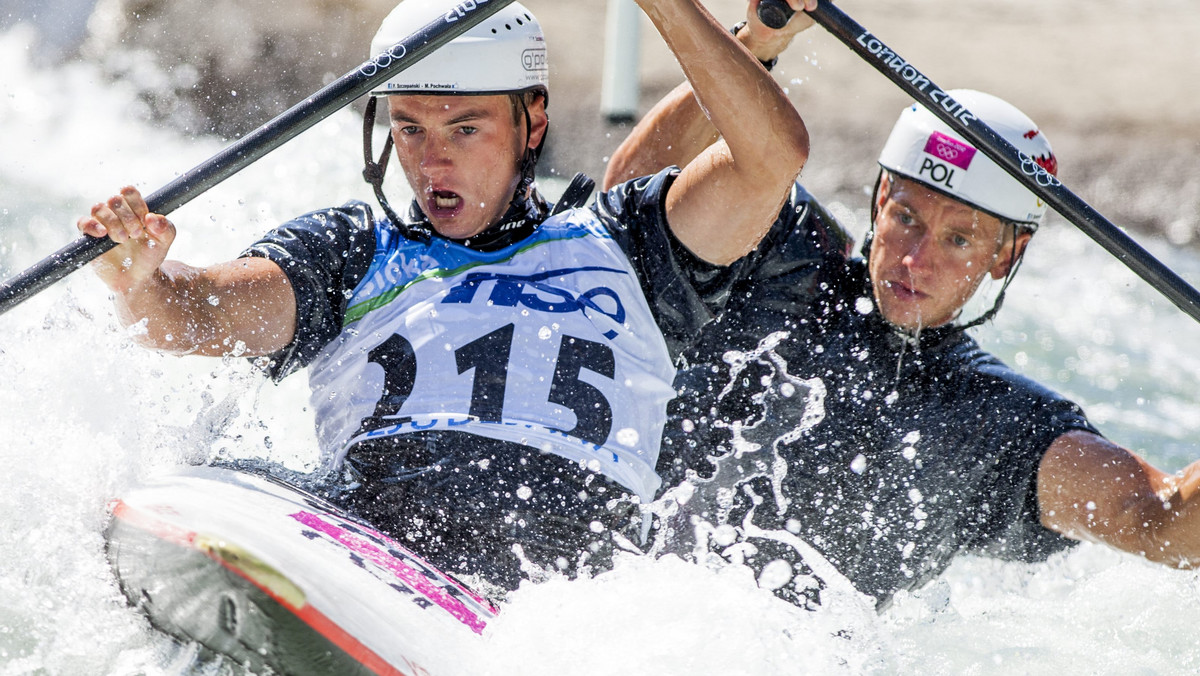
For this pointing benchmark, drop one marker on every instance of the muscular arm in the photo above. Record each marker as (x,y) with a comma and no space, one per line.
(246,305)
(727,197)
(1091,489)
(210,310)
(676,130)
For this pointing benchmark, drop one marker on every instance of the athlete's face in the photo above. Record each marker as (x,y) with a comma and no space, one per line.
(461,155)
(931,252)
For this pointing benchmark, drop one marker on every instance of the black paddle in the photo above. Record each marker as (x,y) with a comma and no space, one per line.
(257,144)
(775,13)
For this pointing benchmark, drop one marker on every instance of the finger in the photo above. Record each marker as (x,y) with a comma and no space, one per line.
(91,227)
(134,198)
(110,222)
(160,229)
(133,224)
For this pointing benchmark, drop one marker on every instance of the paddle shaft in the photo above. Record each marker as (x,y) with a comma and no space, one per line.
(260,142)
(1020,166)
(774,13)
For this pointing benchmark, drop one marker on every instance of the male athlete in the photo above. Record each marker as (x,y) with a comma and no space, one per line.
(928,447)
(492,378)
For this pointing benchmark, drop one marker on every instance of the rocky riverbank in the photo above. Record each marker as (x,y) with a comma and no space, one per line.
(1109,80)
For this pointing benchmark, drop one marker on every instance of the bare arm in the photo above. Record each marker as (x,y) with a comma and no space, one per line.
(676,130)
(728,196)
(246,305)
(1091,489)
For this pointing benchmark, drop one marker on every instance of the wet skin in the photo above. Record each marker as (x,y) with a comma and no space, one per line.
(930,253)
(461,156)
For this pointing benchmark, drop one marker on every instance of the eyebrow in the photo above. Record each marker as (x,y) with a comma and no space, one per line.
(467,116)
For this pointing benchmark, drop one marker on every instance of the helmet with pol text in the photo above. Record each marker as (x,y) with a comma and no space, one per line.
(925,149)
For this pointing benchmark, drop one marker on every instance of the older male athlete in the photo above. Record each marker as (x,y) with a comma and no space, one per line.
(491,377)
(887,440)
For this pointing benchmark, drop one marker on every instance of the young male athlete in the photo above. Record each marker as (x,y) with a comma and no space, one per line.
(928,447)
(492,378)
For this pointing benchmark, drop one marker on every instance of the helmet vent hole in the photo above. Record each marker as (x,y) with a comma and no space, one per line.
(520,23)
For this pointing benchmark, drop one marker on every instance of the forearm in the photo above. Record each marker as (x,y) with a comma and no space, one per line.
(673,133)
(676,130)
(236,307)
(1170,518)
(744,104)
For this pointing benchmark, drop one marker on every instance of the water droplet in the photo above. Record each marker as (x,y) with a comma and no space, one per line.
(775,575)
(628,437)
(859,464)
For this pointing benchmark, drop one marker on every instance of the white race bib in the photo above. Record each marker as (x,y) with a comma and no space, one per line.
(549,343)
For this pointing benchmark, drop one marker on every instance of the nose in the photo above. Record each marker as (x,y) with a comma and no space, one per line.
(435,155)
(920,254)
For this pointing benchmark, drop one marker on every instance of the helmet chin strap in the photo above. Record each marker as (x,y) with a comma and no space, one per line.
(1012,272)
(528,159)
(374,171)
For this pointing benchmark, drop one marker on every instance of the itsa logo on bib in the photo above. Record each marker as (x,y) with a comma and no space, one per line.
(945,156)
(534,292)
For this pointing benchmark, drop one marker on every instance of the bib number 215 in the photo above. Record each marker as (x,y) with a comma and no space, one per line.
(489,358)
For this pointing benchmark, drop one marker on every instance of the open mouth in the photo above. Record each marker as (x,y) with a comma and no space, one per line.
(444,202)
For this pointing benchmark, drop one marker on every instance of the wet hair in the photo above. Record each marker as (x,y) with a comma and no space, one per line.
(520,102)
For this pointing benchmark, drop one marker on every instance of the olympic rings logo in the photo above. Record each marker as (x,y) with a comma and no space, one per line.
(384,60)
(947,152)
(1045,179)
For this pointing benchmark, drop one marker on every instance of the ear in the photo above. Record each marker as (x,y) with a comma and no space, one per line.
(1006,259)
(885,189)
(539,122)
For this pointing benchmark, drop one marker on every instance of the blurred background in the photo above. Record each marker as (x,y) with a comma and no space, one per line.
(1110,81)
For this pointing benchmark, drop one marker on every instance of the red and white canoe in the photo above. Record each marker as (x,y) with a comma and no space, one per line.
(270,575)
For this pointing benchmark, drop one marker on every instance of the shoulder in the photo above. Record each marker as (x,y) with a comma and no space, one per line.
(988,379)
(353,216)
(803,217)
(637,199)
(805,233)
(333,227)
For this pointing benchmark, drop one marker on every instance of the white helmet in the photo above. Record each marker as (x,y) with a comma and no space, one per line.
(506,53)
(926,150)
